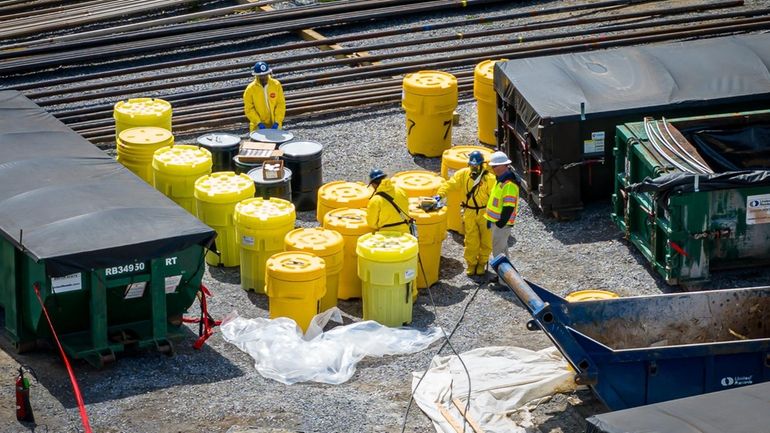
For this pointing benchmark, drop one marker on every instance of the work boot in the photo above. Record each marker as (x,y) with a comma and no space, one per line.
(470,270)
(481,269)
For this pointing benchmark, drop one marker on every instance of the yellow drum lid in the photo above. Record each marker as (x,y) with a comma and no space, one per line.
(349,222)
(264,213)
(319,241)
(418,182)
(182,159)
(590,295)
(484,71)
(353,194)
(457,157)
(430,83)
(296,266)
(385,246)
(145,136)
(142,107)
(422,217)
(224,187)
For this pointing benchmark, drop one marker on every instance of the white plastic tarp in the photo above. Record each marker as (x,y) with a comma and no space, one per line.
(504,380)
(281,352)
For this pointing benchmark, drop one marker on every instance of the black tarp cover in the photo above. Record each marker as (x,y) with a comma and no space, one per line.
(680,182)
(66,202)
(738,410)
(615,82)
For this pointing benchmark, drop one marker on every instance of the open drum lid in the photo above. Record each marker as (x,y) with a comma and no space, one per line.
(271,135)
(219,140)
(299,149)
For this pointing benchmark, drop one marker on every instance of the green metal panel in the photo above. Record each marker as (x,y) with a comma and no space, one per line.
(102,312)
(688,235)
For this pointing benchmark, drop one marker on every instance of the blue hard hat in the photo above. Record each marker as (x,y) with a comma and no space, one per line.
(376,174)
(261,68)
(475,158)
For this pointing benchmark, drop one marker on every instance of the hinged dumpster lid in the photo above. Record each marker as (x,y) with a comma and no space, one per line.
(550,89)
(65,202)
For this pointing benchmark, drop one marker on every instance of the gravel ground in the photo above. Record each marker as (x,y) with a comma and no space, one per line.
(217,389)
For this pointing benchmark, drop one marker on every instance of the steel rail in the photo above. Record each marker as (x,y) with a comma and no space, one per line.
(464,36)
(333,40)
(31,63)
(396,68)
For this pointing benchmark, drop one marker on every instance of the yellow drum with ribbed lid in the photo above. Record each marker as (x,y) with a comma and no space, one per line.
(295,281)
(142,112)
(260,227)
(486,100)
(429,99)
(453,159)
(326,244)
(339,194)
(136,147)
(215,198)
(175,170)
(590,295)
(387,266)
(418,183)
(351,224)
(431,231)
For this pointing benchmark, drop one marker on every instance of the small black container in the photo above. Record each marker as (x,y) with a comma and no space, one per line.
(266,188)
(303,158)
(223,148)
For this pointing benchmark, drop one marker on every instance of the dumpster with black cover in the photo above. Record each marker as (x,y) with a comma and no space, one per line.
(647,349)
(693,194)
(557,114)
(116,263)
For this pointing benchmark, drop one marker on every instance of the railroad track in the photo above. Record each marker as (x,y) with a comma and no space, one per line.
(205,90)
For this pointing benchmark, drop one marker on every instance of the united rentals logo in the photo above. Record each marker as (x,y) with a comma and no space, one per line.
(736,381)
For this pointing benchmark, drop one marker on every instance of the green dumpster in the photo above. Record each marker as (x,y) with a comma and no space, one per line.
(116,263)
(693,194)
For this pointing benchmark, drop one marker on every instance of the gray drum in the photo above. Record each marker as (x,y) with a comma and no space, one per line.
(303,158)
(265,188)
(223,148)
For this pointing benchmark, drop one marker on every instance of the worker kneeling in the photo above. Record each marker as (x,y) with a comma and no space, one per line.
(263,100)
(388,206)
(475,183)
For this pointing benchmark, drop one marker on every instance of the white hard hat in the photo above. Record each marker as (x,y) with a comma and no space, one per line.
(498,158)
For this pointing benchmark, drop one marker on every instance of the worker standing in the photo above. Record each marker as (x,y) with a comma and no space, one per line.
(388,206)
(475,183)
(263,100)
(503,204)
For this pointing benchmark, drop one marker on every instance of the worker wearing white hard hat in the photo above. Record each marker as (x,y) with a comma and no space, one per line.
(503,204)
(263,100)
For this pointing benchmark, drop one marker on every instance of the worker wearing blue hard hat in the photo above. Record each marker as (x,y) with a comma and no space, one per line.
(388,206)
(263,100)
(475,184)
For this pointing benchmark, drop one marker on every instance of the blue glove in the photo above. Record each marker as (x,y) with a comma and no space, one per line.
(489,224)
(261,125)
(275,125)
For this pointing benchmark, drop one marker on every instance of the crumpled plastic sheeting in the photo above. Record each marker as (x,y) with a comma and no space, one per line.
(281,352)
(504,380)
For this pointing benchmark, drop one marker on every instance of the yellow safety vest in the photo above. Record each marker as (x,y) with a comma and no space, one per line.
(503,194)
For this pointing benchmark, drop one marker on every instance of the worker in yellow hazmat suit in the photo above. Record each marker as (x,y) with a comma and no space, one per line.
(263,100)
(475,183)
(388,206)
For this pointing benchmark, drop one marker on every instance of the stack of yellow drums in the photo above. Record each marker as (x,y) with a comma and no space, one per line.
(215,198)
(141,112)
(175,170)
(339,194)
(387,266)
(431,231)
(351,224)
(429,99)
(452,160)
(296,280)
(486,100)
(418,183)
(261,226)
(326,244)
(136,147)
